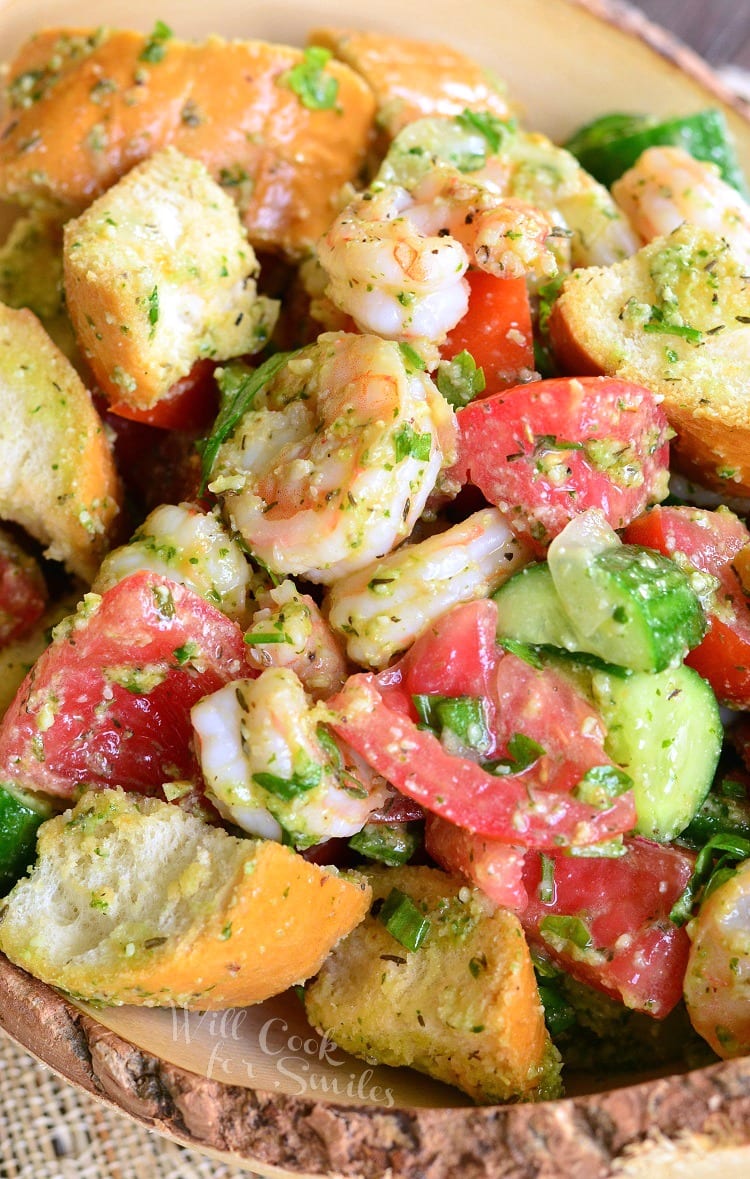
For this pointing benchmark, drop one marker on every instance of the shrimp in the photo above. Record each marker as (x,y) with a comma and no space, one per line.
(590,229)
(289,631)
(274,769)
(383,608)
(717,979)
(668,186)
(334,462)
(396,258)
(189,546)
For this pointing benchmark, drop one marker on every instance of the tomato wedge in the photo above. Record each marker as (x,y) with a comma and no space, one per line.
(496,330)
(709,541)
(496,868)
(108,702)
(191,404)
(546,451)
(634,952)
(512,808)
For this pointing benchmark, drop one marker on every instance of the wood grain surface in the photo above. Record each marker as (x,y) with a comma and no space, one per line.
(717,29)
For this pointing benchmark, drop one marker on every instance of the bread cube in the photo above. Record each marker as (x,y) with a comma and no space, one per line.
(159,274)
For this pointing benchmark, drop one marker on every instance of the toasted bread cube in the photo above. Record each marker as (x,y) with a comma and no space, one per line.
(159,274)
(464,1007)
(133,900)
(85,105)
(57,474)
(676,318)
(414,79)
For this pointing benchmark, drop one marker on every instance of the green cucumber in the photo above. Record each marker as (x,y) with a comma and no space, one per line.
(529,610)
(665,731)
(610,145)
(21,813)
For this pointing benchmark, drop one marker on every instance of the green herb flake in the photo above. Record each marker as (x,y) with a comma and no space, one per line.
(601,784)
(403,920)
(546,888)
(156,45)
(316,89)
(464,716)
(523,751)
(493,129)
(568,929)
(387,843)
(459,380)
(409,444)
(301,781)
(153,309)
(412,360)
(714,865)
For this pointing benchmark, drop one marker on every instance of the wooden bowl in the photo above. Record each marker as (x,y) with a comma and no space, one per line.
(258,1084)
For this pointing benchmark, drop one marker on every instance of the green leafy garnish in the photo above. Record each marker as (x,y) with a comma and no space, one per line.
(490,126)
(523,751)
(315,89)
(715,864)
(156,45)
(462,715)
(302,780)
(601,784)
(387,843)
(409,444)
(459,380)
(403,920)
(412,360)
(239,386)
(569,929)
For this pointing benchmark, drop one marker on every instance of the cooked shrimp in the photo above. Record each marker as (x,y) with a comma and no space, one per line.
(667,186)
(332,466)
(525,166)
(190,546)
(272,768)
(396,258)
(289,631)
(717,980)
(381,609)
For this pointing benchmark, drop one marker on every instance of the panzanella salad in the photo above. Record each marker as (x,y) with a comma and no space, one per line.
(375,564)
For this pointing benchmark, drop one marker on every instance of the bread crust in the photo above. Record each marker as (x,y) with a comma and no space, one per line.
(612,320)
(86,106)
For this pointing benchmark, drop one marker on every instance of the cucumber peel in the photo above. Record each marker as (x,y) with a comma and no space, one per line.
(21,814)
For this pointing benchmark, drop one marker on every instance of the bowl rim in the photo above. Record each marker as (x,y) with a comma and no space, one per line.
(305,1138)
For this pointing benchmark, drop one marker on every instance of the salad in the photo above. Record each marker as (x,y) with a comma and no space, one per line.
(389,521)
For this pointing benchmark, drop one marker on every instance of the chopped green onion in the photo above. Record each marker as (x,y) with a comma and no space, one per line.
(569,929)
(387,843)
(403,920)
(546,889)
(271,636)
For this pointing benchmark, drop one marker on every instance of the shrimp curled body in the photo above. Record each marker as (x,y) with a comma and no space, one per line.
(396,258)
(332,466)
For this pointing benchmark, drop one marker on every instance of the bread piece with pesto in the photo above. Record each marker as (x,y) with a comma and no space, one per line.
(159,274)
(31,275)
(676,318)
(132,900)
(462,1006)
(57,474)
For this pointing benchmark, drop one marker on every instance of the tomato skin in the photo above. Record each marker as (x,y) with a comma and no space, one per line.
(511,808)
(511,446)
(625,904)
(495,867)
(709,541)
(191,404)
(73,719)
(496,330)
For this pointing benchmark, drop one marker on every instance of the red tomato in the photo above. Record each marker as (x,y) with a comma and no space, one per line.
(546,451)
(191,404)
(108,702)
(636,954)
(23,593)
(512,808)
(496,868)
(496,330)
(709,541)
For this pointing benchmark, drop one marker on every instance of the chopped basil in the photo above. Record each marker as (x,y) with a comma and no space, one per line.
(664,321)
(412,360)
(522,753)
(271,636)
(559,1015)
(463,716)
(315,89)
(408,444)
(388,843)
(301,781)
(527,652)
(403,920)
(493,129)
(714,865)
(569,929)
(239,386)
(547,294)
(459,380)
(601,784)
(156,45)
(153,309)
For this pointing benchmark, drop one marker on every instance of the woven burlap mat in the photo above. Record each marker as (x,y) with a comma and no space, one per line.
(48,1130)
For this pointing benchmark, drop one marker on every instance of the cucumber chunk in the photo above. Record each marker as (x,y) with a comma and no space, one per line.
(611,144)
(529,610)
(21,813)
(665,731)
